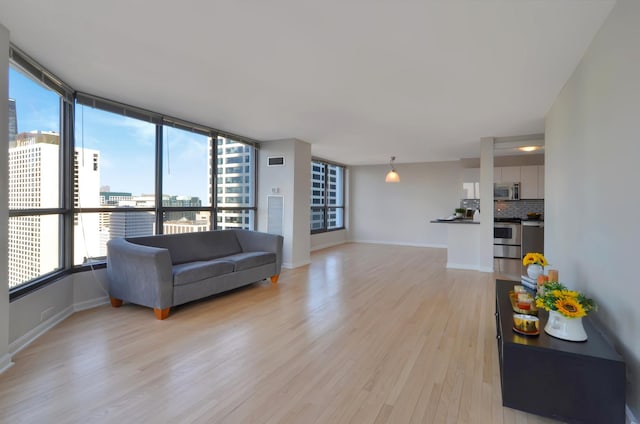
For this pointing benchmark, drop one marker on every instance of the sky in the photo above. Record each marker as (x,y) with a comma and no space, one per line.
(126,145)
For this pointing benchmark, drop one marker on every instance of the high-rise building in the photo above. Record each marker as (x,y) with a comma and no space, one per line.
(180,201)
(33,184)
(184,225)
(317,195)
(86,181)
(234,183)
(131,224)
(13,123)
(327,186)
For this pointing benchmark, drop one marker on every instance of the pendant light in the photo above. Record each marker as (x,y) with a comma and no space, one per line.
(392,176)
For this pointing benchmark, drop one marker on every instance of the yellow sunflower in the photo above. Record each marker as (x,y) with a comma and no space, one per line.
(529,259)
(570,293)
(570,307)
(542,260)
(534,258)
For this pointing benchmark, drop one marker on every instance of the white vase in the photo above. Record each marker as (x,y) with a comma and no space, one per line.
(565,328)
(533,270)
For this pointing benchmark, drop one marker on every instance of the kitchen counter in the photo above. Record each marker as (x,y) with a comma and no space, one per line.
(455,221)
(463,244)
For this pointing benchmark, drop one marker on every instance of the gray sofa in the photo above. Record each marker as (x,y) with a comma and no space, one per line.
(162,271)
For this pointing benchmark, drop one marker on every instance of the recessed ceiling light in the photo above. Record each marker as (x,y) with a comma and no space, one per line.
(529,148)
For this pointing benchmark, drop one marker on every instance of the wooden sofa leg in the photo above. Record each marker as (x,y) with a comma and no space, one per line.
(161,313)
(116,303)
(274,279)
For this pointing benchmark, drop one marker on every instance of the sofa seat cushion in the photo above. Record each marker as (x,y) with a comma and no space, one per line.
(200,270)
(249,260)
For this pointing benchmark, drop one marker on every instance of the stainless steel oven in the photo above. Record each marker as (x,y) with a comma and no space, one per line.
(507,233)
(507,249)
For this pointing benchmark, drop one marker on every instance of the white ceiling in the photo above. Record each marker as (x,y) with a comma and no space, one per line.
(360,80)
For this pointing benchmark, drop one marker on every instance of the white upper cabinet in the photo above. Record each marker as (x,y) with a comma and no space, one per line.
(470,183)
(510,174)
(532,182)
(506,174)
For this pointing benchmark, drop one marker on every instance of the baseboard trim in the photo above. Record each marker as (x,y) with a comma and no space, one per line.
(464,266)
(5,363)
(401,243)
(89,304)
(39,330)
(289,265)
(327,245)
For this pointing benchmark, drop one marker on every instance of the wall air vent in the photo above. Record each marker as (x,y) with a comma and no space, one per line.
(275,161)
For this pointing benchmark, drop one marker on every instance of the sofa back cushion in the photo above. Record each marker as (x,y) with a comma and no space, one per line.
(190,247)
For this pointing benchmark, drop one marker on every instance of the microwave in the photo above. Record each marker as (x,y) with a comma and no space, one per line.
(506,191)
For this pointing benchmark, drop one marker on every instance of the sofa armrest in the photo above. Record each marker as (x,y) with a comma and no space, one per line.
(254,241)
(139,274)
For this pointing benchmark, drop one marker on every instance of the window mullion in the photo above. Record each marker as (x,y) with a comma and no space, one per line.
(158,190)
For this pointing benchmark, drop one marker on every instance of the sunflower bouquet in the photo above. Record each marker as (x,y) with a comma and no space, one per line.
(571,304)
(534,258)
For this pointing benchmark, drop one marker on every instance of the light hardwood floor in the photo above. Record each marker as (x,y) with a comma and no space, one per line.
(365,334)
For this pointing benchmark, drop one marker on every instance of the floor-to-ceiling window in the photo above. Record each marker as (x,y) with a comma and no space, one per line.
(114,180)
(84,170)
(35,156)
(327,196)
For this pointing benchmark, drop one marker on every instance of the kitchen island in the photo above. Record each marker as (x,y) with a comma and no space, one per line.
(463,244)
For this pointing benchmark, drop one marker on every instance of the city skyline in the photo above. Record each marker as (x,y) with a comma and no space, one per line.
(37,109)
(117,153)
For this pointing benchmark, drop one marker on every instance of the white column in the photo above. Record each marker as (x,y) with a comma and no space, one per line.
(486,204)
(293,182)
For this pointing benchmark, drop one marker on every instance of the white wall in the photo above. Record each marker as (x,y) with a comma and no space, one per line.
(328,239)
(5,359)
(34,314)
(592,173)
(291,181)
(400,213)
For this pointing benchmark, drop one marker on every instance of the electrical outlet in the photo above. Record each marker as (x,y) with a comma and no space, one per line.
(46,314)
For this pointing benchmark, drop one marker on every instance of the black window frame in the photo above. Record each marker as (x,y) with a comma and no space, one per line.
(67,210)
(326,207)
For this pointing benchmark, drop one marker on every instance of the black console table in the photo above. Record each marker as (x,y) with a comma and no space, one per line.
(573,382)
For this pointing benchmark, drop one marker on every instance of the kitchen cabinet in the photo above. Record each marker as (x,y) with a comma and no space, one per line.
(540,182)
(470,183)
(532,182)
(506,174)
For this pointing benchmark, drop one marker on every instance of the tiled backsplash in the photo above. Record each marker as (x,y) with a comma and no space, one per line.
(517,208)
(508,208)
(470,203)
